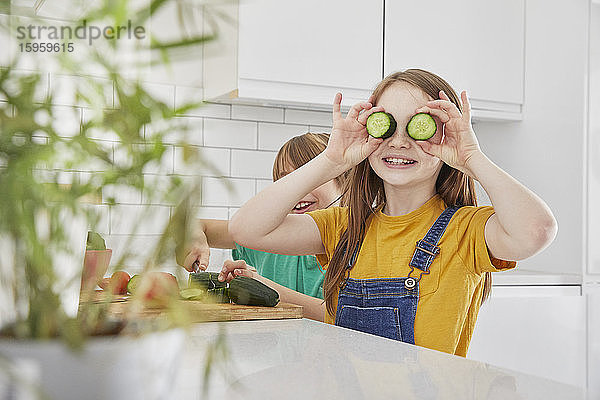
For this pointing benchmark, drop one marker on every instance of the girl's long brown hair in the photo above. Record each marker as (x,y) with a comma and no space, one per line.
(364,189)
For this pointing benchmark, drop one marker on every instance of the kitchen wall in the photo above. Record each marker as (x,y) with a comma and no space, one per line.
(546,150)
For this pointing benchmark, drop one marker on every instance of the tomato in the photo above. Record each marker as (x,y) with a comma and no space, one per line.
(118,282)
(156,288)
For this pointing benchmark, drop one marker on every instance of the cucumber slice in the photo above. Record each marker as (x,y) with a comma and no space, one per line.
(421,126)
(133,284)
(192,294)
(381,125)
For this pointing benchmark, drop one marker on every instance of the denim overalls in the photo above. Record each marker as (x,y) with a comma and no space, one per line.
(387,306)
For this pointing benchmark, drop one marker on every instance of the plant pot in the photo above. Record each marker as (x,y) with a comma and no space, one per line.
(95,265)
(115,367)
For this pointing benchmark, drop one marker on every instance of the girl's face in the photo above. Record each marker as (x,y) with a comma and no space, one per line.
(399,160)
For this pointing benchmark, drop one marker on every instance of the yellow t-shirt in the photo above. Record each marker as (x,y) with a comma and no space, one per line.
(450,296)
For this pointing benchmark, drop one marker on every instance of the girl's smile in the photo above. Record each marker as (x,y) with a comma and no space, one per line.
(398,161)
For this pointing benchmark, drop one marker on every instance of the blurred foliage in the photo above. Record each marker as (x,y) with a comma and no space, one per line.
(39,153)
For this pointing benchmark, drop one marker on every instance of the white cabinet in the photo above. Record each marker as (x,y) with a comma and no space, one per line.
(593,147)
(290,52)
(540,330)
(297,52)
(593,375)
(476,45)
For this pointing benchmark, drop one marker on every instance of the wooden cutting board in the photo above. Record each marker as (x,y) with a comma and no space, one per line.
(203,312)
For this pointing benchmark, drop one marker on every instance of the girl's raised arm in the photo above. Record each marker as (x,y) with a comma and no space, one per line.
(522,224)
(264,223)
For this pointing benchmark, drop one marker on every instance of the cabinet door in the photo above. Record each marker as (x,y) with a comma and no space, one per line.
(312,43)
(476,45)
(593,297)
(538,330)
(593,145)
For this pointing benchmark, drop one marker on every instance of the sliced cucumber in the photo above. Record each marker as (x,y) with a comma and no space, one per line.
(192,294)
(381,125)
(133,284)
(421,126)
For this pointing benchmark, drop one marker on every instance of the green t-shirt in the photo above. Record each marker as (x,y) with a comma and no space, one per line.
(300,273)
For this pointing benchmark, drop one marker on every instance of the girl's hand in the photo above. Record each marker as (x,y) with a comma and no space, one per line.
(231,269)
(349,142)
(458,143)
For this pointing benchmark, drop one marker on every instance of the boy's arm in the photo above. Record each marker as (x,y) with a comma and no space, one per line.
(312,307)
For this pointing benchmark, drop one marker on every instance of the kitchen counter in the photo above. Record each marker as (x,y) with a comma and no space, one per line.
(304,359)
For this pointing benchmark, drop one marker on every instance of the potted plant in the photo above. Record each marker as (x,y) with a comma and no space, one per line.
(49,343)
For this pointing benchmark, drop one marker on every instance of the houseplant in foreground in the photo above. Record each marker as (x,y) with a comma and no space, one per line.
(48,342)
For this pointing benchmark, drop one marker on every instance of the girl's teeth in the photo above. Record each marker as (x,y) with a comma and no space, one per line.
(398,161)
(301,205)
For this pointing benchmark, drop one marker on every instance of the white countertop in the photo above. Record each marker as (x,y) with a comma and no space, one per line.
(304,359)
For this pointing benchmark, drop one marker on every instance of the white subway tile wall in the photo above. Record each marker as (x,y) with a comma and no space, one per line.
(102,225)
(6,54)
(62,88)
(41,91)
(189,130)
(230,133)
(237,144)
(67,121)
(262,183)
(121,194)
(164,93)
(226,191)
(252,163)
(99,131)
(273,136)
(127,219)
(211,212)
(211,162)
(319,129)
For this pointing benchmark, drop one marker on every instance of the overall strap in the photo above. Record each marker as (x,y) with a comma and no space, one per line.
(353,258)
(427,248)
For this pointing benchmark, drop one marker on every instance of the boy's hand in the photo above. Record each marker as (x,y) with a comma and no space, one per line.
(231,269)
(459,142)
(349,142)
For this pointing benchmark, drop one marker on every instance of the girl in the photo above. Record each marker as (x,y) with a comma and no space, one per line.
(409,257)
(286,274)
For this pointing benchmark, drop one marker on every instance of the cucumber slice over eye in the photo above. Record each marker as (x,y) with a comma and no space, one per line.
(421,126)
(381,125)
